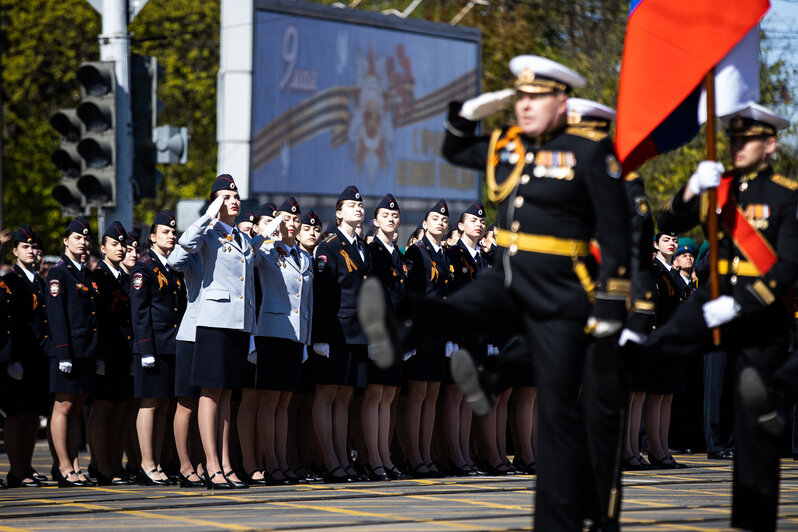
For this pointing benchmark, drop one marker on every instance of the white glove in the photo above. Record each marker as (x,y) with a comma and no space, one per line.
(409,354)
(215,207)
(322,349)
(148,361)
(370,352)
(252,357)
(601,328)
(628,335)
(493,350)
(451,347)
(721,310)
(99,367)
(486,104)
(270,231)
(15,371)
(304,353)
(65,366)
(706,176)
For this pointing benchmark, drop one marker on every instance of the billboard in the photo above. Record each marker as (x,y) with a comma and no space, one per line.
(343,97)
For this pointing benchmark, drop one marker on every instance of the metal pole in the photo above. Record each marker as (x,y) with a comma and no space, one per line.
(115,46)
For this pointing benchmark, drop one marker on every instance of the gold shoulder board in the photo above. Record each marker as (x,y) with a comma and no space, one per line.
(785,182)
(631,176)
(591,134)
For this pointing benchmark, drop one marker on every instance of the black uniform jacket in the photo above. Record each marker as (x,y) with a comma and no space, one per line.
(30,307)
(670,291)
(465,267)
(7,322)
(157,302)
(429,271)
(770,203)
(390,269)
(641,317)
(113,309)
(568,187)
(339,273)
(71,311)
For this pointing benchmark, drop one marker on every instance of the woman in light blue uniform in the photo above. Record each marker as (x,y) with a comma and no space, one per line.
(190,264)
(225,320)
(284,320)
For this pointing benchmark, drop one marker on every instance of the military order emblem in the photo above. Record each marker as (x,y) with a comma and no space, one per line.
(138,280)
(641,205)
(613,166)
(55,287)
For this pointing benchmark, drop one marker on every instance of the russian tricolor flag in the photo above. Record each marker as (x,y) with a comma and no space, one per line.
(670,47)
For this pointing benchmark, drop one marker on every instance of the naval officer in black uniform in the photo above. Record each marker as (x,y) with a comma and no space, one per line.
(556,188)
(72,315)
(758,266)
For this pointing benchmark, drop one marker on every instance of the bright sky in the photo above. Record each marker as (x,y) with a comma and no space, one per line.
(781,30)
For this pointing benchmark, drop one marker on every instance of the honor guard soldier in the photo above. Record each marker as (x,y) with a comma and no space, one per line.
(158,299)
(556,188)
(758,266)
(26,384)
(72,316)
(339,343)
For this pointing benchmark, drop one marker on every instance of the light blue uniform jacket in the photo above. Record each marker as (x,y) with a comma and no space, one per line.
(190,264)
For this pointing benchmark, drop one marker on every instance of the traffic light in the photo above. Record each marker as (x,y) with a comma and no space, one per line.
(145,106)
(97,146)
(68,161)
(172,144)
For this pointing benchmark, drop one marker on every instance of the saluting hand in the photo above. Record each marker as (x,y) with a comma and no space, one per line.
(215,207)
(15,371)
(486,104)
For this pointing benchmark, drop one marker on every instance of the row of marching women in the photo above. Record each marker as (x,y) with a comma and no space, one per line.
(233,355)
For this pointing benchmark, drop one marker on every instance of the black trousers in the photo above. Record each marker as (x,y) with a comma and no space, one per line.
(718,398)
(578,441)
(761,340)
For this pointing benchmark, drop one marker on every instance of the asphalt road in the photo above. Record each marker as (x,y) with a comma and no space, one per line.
(697,499)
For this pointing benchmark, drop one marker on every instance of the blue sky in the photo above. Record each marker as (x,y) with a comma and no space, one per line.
(781,29)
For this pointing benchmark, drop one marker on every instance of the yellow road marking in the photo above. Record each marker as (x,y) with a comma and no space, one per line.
(12,529)
(356,513)
(474,503)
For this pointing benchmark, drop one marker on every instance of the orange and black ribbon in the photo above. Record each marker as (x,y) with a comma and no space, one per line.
(161,278)
(434,274)
(350,265)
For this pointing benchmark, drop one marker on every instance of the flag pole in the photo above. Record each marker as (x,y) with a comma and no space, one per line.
(712,199)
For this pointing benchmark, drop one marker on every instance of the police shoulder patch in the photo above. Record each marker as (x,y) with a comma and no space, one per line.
(137,280)
(784,181)
(321,263)
(54,287)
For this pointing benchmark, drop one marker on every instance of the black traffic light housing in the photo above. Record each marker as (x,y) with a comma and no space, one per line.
(97,146)
(145,106)
(68,161)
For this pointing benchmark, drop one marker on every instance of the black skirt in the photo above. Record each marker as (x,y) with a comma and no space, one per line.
(279,364)
(428,364)
(306,383)
(76,381)
(113,386)
(183,361)
(341,368)
(32,393)
(220,356)
(386,377)
(157,382)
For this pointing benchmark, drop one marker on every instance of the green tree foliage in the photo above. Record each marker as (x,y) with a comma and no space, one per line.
(44,42)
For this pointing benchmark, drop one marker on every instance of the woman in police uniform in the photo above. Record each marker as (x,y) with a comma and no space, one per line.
(429,274)
(72,314)
(339,344)
(190,265)
(284,320)
(114,357)
(383,383)
(158,299)
(25,383)
(226,319)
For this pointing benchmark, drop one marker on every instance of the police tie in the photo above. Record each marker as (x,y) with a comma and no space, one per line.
(237,236)
(295,256)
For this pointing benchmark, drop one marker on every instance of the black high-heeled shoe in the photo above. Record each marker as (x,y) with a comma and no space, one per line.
(256,481)
(661,464)
(186,483)
(496,471)
(293,478)
(86,481)
(414,471)
(331,478)
(144,479)
(35,475)
(13,481)
(396,474)
(64,482)
(460,471)
(235,484)
(372,474)
(113,480)
(211,485)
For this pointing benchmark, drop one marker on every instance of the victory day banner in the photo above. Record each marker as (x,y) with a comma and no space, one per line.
(338,103)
